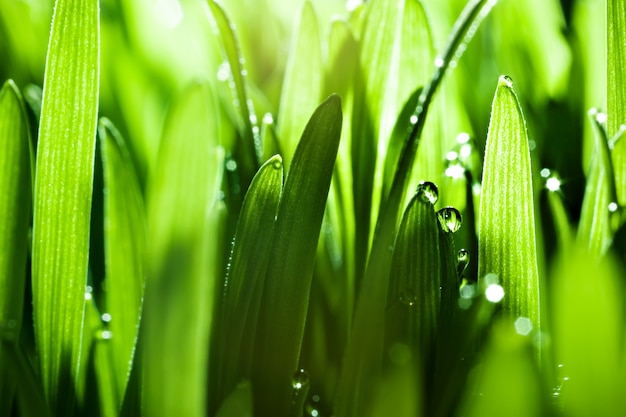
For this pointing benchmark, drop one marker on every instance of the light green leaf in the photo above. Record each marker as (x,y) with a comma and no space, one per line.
(125,250)
(302,86)
(288,283)
(245,279)
(235,73)
(62,199)
(616,96)
(15,216)
(506,233)
(182,263)
(587,313)
(238,403)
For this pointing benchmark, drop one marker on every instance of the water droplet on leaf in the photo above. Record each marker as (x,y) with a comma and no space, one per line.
(407,297)
(300,380)
(463,258)
(450,219)
(506,80)
(428,192)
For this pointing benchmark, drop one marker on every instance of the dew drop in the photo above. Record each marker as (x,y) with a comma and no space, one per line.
(506,80)
(104,335)
(463,258)
(427,192)
(463,138)
(407,297)
(439,62)
(450,219)
(523,326)
(223,72)
(553,184)
(300,380)
(545,173)
(268,119)
(106,317)
(613,206)
(278,163)
(231,165)
(494,293)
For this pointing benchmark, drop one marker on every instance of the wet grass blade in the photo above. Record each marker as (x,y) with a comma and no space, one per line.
(616,96)
(288,283)
(182,262)
(125,250)
(506,235)
(302,86)
(588,326)
(15,216)
(245,279)
(62,199)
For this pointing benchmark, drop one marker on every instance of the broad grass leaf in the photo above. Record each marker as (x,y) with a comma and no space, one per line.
(587,316)
(15,217)
(616,95)
(125,251)
(182,263)
(303,82)
(243,288)
(62,198)
(506,233)
(287,286)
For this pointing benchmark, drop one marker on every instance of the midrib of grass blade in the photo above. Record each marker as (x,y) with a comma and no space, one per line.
(62,198)
(245,279)
(288,282)
(249,130)
(506,233)
(182,257)
(125,249)
(302,85)
(15,216)
(616,95)
(362,358)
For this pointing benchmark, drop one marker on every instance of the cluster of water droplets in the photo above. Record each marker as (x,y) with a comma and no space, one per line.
(462,157)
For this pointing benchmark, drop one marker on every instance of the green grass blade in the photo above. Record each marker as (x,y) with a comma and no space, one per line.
(616,96)
(288,283)
(246,276)
(587,312)
(236,75)
(182,264)
(15,216)
(62,199)
(302,86)
(125,249)
(506,235)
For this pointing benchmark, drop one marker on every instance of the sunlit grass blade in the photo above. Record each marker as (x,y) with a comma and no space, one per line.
(507,382)
(288,283)
(616,96)
(62,199)
(235,74)
(587,312)
(506,233)
(245,279)
(302,86)
(15,216)
(125,250)
(363,351)
(182,262)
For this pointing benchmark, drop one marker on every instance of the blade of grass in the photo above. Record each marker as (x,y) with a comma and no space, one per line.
(245,278)
(302,86)
(288,283)
(362,358)
(62,198)
(125,249)
(182,261)
(616,79)
(15,216)
(506,232)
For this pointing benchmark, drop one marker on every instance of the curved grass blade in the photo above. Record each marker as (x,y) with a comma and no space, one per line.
(506,235)
(245,279)
(182,261)
(288,282)
(15,216)
(249,131)
(302,86)
(363,352)
(62,199)
(125,249)
(587,333)
(616,96)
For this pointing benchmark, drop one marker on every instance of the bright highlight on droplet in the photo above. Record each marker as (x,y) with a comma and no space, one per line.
(494,293)
(455,171)
(268,119)
(523,326)
(613,206)
(462,138)
(553,184)
(545,173)
(169,12)
(452,155)
(439,62)
(106,317)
